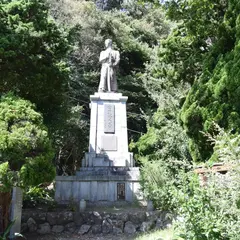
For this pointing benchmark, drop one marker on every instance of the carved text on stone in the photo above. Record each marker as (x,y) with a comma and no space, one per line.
(109,118)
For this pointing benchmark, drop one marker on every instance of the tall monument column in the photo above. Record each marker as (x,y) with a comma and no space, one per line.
(108,141)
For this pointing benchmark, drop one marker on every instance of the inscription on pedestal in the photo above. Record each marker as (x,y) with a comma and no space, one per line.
(109,118)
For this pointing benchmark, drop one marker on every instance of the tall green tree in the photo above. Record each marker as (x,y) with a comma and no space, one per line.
(26,151)
(213,96)
(208,32)
(108,4)
(163,150)
(32,53)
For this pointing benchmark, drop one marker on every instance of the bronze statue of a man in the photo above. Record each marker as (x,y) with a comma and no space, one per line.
(109,59)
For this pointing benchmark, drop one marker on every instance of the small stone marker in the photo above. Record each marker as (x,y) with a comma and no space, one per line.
(82,205)
(16,211)
(109,118)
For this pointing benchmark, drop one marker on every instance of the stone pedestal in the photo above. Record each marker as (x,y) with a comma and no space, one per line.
(108,141)
(108,171)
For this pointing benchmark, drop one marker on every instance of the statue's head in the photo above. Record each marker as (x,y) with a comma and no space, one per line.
(108,43)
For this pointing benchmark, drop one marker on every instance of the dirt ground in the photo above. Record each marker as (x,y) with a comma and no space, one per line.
(65,236)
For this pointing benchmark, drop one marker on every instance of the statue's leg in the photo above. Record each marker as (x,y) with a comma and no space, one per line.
(102,84)
(114,86)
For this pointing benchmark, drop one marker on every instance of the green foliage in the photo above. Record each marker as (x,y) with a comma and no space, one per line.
(212,211)
(71,141)
(7,231)
(215,100)
(35,196)
(159,185)
(163,150)
(32,52)
(226,145)
(210,28)
(166,234)
(164,156)
(202,219)
(26,151)
(108,4)
(203,50)
(6,177)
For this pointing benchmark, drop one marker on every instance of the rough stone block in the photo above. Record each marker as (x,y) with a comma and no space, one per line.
(96,229)
(118,224)
(122,216)
(24,228)
(44,228)
(146,226)
(117,230)
(107,226)
(32,225)
(70,227)
(129,228)
(152,216)
(78,218)
(96,218)
(39,217)
(62,218)
(57,228)
(84,229)
(137,218)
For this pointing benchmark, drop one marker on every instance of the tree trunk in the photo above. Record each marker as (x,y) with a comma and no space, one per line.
(5,202)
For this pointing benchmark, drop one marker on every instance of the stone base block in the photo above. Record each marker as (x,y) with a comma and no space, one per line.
(110,184)
(111,160)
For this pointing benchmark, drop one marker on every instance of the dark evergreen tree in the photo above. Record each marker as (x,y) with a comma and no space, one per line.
(26,150)
(108,4)
(32,52)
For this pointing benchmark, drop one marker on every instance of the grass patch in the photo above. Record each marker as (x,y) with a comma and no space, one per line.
(167,234)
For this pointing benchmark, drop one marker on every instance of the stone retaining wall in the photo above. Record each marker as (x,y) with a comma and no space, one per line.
(94,222)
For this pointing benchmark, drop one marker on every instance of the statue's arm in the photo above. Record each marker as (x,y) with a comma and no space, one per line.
(103,57)
(117,58)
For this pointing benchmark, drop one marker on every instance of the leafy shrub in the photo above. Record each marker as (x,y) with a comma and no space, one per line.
(6,177)
(159,186)
(163,153)
(38,195)
(33,52)
(7,231)
(213,212)
(25,149)
(214,96)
